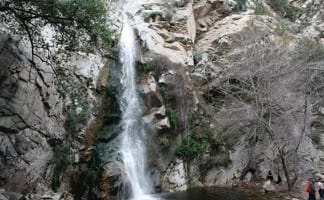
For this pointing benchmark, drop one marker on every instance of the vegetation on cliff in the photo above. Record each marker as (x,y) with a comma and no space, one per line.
(66,26)
(74,22)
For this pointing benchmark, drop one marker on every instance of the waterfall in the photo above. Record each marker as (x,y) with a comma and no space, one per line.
(133,134)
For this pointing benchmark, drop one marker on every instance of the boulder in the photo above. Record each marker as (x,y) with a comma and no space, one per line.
(163,124)
(268,186)
(175,179)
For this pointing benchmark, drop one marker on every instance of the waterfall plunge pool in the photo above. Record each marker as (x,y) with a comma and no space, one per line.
(217,193)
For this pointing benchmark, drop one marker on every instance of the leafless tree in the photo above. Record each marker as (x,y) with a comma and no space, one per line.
(259,79)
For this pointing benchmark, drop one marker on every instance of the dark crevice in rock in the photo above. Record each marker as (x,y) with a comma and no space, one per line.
(252,168)
(40,74)
(17,124)
(23,124)
(43,99)
(8,130)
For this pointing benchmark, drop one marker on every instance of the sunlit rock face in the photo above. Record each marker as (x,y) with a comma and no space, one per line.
(164,29)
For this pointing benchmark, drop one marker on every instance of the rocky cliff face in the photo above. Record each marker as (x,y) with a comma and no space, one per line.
(230,89)
(44,115)
(30,119)
(248,74)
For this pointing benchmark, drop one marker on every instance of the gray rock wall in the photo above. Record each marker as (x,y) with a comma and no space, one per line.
(42,113)
(249,79)
(31,117)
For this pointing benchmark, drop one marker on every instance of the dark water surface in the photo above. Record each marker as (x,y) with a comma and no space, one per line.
(218,194)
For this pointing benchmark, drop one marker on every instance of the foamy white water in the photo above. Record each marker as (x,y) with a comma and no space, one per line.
(133,146)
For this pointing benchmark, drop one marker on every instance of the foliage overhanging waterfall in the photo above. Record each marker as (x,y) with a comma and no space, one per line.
(133,133)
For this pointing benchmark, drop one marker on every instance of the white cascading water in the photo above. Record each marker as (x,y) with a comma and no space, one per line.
(133,134)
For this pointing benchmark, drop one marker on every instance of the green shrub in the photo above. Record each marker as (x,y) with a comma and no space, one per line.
(190,148)
(155,67)
(145,68)
(240,5)
(216,144)
(76,118)
(292,13)
(165,92)
(61,162)
(85,179)
(170,108)
(180,3)
(195,144)
(279,5)
(111,113)
(260,9)
(223,160)
(221,144)
(173,116)
(106,35)
(71,20)
(283,8)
